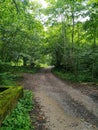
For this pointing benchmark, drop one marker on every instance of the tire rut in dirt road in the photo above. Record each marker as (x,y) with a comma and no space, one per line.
(65,107)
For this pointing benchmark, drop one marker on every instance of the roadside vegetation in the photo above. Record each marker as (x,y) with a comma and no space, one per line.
(11,75)
(69,76)
(19,119)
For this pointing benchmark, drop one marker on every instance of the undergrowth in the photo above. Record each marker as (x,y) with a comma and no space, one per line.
(8,78)
(26,69)
(19,119)
(81,77)
(9,75)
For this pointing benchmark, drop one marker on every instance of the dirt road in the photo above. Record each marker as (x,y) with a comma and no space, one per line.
(65,107)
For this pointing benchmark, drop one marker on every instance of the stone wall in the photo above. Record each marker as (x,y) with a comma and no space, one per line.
(8,100)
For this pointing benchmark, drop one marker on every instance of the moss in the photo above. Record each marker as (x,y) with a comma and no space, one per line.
(8,100)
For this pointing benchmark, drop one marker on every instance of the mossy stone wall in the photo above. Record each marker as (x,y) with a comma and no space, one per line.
(8,100)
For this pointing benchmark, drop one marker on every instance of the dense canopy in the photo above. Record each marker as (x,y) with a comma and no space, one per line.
(63,33)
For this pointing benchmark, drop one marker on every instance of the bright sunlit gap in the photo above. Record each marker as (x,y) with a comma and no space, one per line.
(42,2)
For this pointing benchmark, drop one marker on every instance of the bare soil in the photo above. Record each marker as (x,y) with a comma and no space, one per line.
(62,105)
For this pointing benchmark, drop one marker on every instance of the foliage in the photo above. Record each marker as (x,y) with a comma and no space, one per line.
(72,37)
(68,76)
(8,78)
(10,75)
(20,35)
(19,119)
(64,34)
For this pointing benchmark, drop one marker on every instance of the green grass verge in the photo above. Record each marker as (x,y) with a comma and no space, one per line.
(19,118)
(81,77)
(9,79)
(12,75)
(27,69)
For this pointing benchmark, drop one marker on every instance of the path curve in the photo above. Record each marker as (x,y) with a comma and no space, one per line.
(66,108)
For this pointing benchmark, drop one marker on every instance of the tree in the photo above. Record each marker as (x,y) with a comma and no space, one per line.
(19,31)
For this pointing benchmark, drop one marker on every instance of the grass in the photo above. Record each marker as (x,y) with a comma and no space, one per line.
(19,118)
(9,75)
(25,69)
(68,76)
(8,78)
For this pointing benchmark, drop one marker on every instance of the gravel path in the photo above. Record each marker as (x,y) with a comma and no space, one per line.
(65,107)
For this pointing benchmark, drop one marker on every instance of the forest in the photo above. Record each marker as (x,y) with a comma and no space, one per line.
(63,34)
(36,35)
